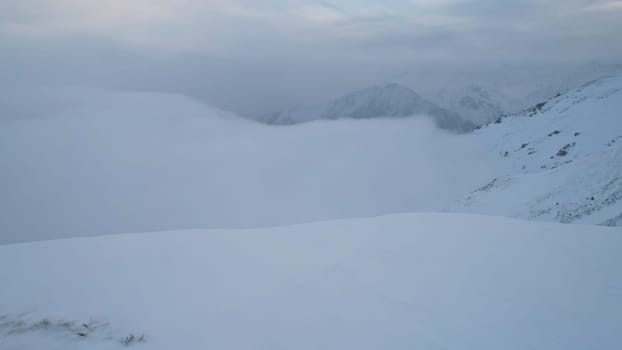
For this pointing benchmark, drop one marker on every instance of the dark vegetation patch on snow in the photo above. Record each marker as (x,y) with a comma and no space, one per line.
(13,326)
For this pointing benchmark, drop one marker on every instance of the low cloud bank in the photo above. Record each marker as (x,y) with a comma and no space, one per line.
(91,162)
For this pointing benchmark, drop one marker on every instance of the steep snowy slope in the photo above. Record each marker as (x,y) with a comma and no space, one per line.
(415,281)
(391,100)
(564,156)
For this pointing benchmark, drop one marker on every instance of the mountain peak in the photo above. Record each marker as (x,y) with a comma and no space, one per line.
(389,100)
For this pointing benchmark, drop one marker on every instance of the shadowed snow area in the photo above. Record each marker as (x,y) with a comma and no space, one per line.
(424,281)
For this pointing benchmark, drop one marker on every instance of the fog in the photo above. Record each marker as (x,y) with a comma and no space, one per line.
(113,114)
(126,162)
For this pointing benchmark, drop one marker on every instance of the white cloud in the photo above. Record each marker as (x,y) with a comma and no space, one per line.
(604,6)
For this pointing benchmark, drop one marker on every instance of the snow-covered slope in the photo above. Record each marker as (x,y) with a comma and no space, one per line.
(564,158)
(415,281)
(543,85)
(391,100)
(482,95)
(474,103)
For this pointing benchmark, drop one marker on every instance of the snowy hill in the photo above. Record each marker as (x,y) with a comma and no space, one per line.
(391,100)
(423,281)
(564,158)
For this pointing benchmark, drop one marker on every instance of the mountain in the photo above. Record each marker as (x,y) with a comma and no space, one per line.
(482,96)
(563,158)
(406,281)
(555,82)
(474,103)
(390,100)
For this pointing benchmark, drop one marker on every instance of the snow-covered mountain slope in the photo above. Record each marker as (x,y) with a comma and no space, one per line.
(422,281)
(391,100)
(474,103)
(482,95)
(545,85)
(564,158)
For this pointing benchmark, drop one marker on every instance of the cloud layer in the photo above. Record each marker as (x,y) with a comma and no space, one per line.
(326,47)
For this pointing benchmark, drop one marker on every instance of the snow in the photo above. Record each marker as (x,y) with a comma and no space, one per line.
(582,184)
(423,281)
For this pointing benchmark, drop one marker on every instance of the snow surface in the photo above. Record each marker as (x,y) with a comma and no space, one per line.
(409,281)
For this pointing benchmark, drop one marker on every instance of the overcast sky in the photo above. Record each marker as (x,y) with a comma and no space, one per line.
(253,56)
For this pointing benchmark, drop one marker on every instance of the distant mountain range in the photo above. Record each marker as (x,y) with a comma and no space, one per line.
(390,100)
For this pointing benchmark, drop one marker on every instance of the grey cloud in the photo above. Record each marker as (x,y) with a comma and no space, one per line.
(269,57)
(491,9)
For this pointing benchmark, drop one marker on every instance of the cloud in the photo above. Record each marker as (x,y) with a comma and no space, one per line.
(604,6)
(230,26)
(289,52)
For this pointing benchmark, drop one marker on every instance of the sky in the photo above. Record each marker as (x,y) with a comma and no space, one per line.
(253,57)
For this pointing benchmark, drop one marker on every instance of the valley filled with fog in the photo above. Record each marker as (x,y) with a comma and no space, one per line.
(85,161)
(109,162)
(310,175)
